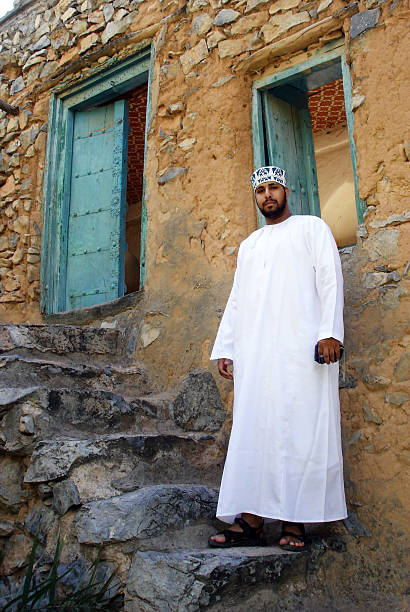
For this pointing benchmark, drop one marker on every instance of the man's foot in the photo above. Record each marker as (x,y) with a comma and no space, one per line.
(292,536)
(242,533)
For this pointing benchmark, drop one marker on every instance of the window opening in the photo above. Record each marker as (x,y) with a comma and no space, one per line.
(302,126)
(76,227)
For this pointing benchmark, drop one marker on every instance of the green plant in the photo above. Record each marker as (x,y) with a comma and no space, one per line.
(42,594)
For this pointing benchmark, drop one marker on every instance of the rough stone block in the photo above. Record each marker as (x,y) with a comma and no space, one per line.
(201,24)
(60,38)
(17,85)
(6,528)
(231,47)
(395,219)
(41,43)
(383,244)
(196,579)
(402,368)
(370,416)
(282,23)
(371,280)
(196,5)
(13,146)
(65,496)
(59,339)
(7,189)
(178,107)
(26,184)
(120,14)
(246,24)
(283,5)
(4,244)
(39,522)
(363,21)
(226,16)
(357,100)
(187,144)
(144,513)
(354,526)
(22,224)
(33,273)
(11,284)
(126,462)
(198,406)
(374,381)
(68,14)
(346,380)
(115,27)
(171,175)
(12,124)
(397,398)
(108,11)
(324,4)
(45,491)
(219,83)
(193,56)
(87,42)
(214,38)
(16,553)
(26,425)
(253,4)
(11,492)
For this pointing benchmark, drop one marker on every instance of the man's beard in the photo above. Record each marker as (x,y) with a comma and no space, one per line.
(277,212)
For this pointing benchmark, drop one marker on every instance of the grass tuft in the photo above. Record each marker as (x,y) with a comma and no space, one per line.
(89,594)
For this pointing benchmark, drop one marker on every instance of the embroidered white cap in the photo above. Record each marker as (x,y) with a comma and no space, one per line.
(268,174)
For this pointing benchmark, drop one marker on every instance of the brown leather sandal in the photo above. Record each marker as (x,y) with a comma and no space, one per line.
(249,536)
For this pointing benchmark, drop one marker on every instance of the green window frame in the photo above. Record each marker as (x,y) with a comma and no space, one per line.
(105,83)
(322,59)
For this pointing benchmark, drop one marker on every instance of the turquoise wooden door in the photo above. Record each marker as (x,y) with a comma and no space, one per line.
(289,142)
(96,220)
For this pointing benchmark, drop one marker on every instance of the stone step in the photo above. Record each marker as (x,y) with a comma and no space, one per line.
(106,466)
(62,340)
(144,514)
(27,371)
(174,580)
(36,413)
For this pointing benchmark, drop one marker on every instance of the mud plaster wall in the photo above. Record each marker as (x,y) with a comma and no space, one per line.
(336,184)
(200,149)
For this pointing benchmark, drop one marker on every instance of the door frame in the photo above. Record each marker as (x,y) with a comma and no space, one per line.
(326,55)
(104,84)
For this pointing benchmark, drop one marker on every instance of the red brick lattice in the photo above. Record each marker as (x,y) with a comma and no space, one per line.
(137,101)
(327,106)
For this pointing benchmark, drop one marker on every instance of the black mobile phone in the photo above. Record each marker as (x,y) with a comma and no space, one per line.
(320,358)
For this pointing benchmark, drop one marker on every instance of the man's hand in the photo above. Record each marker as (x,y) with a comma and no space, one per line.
(330,349)
(223,368)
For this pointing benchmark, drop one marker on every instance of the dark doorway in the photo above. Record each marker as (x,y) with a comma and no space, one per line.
(137,109)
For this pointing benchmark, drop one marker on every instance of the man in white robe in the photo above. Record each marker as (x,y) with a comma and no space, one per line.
(284,459)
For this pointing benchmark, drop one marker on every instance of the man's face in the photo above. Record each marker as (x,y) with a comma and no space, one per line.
(271,199)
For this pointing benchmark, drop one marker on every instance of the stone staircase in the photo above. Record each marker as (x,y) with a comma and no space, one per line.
(90,447)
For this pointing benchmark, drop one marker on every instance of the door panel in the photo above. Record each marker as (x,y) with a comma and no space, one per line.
(96,240)
(290,146)
(309,160)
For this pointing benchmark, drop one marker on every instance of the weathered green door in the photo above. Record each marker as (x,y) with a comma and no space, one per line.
(96,220)
(289,140)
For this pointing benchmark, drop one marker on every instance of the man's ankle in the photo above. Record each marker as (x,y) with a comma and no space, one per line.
(252,519)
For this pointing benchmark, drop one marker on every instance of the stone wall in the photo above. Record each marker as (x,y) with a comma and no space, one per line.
(198,198)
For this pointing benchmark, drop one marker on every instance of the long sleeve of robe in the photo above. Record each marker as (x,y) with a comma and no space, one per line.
(284,459)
